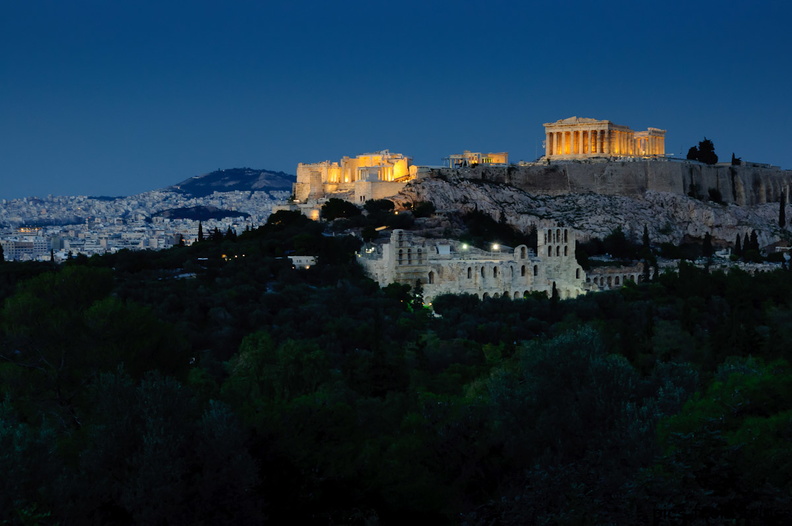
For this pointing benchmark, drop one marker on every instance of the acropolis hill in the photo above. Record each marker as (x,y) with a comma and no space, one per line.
(746,184)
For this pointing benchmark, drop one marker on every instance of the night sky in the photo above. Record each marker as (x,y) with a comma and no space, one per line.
(119,97)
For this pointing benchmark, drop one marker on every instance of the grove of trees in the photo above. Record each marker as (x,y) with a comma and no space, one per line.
(215,384)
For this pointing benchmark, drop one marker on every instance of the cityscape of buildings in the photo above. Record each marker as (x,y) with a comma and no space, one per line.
(59,227)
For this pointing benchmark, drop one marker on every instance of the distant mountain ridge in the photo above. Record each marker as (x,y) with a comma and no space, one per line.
(234,179)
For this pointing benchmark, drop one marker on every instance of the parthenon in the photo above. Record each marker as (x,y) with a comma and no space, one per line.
(581,138)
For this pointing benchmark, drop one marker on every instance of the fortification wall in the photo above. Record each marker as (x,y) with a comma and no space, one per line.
(749,184)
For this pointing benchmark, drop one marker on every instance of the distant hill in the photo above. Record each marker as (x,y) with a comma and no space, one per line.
(232,179)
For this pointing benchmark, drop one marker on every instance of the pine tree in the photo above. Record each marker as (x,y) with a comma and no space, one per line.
(782,210)
(200,231)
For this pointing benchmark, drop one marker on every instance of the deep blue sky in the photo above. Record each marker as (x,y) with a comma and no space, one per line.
(119,97)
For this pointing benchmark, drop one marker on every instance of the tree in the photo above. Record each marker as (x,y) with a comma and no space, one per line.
(737,247)
(705,152)
(335,208)
(423,209)
(200,231)
(2,255)
(706,248)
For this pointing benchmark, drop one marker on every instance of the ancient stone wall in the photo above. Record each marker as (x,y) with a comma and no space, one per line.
(742,185)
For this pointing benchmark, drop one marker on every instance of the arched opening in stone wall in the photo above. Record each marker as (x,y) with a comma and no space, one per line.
(496,295)
(401,256)
(616,281)
(516,295)
(470,272)
(494,272)
(558,251)
(566,250)
(549,251)
(523,252)
(485,296)
(536,270)
(409,256)
(482,272)
(522,270)
(431,278)
(566,236)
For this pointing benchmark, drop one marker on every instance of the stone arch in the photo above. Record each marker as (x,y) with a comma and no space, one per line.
(482,272)
(494,272)
(431,278)
(409,256)
(522,271)
(616,280)
(549,251)
(470,272)
(485,295)
(401,256)
(536,270)
(516,295)
(558,251)
(420,254)
(566,235)
(523,252)
(496,295)
(566,250)
(512,270)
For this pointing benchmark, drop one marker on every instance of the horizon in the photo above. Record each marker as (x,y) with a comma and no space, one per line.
(116,100)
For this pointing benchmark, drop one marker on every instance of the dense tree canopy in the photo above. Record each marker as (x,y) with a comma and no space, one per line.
(216,384)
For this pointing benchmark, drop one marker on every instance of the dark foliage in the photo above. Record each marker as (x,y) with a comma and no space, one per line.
(705,152)
(249,391)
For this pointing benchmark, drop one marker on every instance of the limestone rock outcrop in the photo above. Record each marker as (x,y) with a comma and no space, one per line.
(747,184)
(670,216)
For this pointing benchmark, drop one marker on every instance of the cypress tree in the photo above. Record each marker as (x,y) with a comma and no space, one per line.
(737,247)
(707,246)
(200,231)
(746,243)
(2,254)
(782,210)
(754,241)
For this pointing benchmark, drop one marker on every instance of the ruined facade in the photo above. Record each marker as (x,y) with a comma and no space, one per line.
(580,138)
(468,158)
(368,176)
(451,267)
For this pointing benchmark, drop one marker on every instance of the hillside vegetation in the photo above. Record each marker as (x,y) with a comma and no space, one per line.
(216,384)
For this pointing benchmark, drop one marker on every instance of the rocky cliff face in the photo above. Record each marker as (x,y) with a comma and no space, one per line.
(669,216)
(748,184)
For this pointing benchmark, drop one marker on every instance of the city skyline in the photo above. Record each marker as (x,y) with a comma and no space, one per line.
(124,98)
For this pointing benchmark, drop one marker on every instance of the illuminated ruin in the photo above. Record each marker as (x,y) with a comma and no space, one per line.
(368,176)
(579,138)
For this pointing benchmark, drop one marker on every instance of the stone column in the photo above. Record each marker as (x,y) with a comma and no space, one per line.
(548,144)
